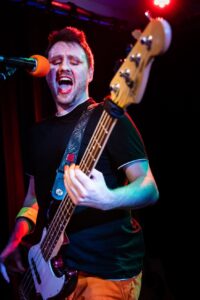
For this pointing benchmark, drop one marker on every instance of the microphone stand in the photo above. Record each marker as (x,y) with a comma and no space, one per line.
(8,72)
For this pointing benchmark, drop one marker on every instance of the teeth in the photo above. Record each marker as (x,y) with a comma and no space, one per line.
(65,81)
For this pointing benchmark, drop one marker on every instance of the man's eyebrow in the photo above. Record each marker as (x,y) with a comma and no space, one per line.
(68,56)
(75,56)
(55,56)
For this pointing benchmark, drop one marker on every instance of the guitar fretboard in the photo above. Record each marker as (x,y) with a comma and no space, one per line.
(88,162)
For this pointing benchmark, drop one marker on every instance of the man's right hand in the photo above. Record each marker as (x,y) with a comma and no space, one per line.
(11,261)
(10,257)
(3,271)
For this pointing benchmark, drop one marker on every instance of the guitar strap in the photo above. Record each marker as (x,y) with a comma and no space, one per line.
(71,153)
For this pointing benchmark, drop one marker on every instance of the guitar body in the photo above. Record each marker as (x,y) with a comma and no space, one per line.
(46,278)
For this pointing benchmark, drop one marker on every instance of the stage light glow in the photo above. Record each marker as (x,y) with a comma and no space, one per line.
(161,3)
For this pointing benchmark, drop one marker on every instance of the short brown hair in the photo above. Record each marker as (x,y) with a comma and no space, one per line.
(74,35)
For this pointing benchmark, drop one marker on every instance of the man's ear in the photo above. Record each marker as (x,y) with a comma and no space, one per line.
(91,74)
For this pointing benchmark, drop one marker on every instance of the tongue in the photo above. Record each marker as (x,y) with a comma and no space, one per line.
(64,89)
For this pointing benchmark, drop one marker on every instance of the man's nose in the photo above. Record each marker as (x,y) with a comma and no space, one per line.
(65,65)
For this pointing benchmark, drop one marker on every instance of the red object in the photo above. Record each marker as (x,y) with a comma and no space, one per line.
(70,157)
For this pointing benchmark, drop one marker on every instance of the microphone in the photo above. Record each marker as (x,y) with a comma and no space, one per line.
(35,65)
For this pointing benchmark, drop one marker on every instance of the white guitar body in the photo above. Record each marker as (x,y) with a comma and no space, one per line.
(42,272)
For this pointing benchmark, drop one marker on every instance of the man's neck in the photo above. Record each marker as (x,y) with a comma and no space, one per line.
(61,111)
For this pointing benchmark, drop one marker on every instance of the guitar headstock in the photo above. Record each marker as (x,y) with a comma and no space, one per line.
(129,83)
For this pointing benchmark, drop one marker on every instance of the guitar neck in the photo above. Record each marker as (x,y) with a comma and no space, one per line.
(88,162)
(97,142)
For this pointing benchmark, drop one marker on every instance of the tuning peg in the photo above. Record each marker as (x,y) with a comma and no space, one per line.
(136,34)
(148,15)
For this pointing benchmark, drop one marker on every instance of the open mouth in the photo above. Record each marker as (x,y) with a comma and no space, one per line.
(65,85)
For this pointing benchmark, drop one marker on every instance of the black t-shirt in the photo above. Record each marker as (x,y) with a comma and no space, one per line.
(110,243)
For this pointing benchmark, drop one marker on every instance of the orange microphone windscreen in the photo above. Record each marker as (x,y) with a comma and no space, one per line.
(42,67)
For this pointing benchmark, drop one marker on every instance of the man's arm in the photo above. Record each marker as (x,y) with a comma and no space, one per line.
(142,189)
(92,191)
(25,222)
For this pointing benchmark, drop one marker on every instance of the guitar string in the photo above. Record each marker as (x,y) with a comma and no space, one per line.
(85,163)
(82,166)
(63,204)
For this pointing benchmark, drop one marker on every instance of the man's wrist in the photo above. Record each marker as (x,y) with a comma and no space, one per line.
(29,214)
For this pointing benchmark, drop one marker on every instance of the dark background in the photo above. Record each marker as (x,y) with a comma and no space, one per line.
(167,118)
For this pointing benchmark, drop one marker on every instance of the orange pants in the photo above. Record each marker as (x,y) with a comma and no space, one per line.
(94,288)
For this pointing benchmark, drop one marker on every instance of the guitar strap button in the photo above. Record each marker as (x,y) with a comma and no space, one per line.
(59,192)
